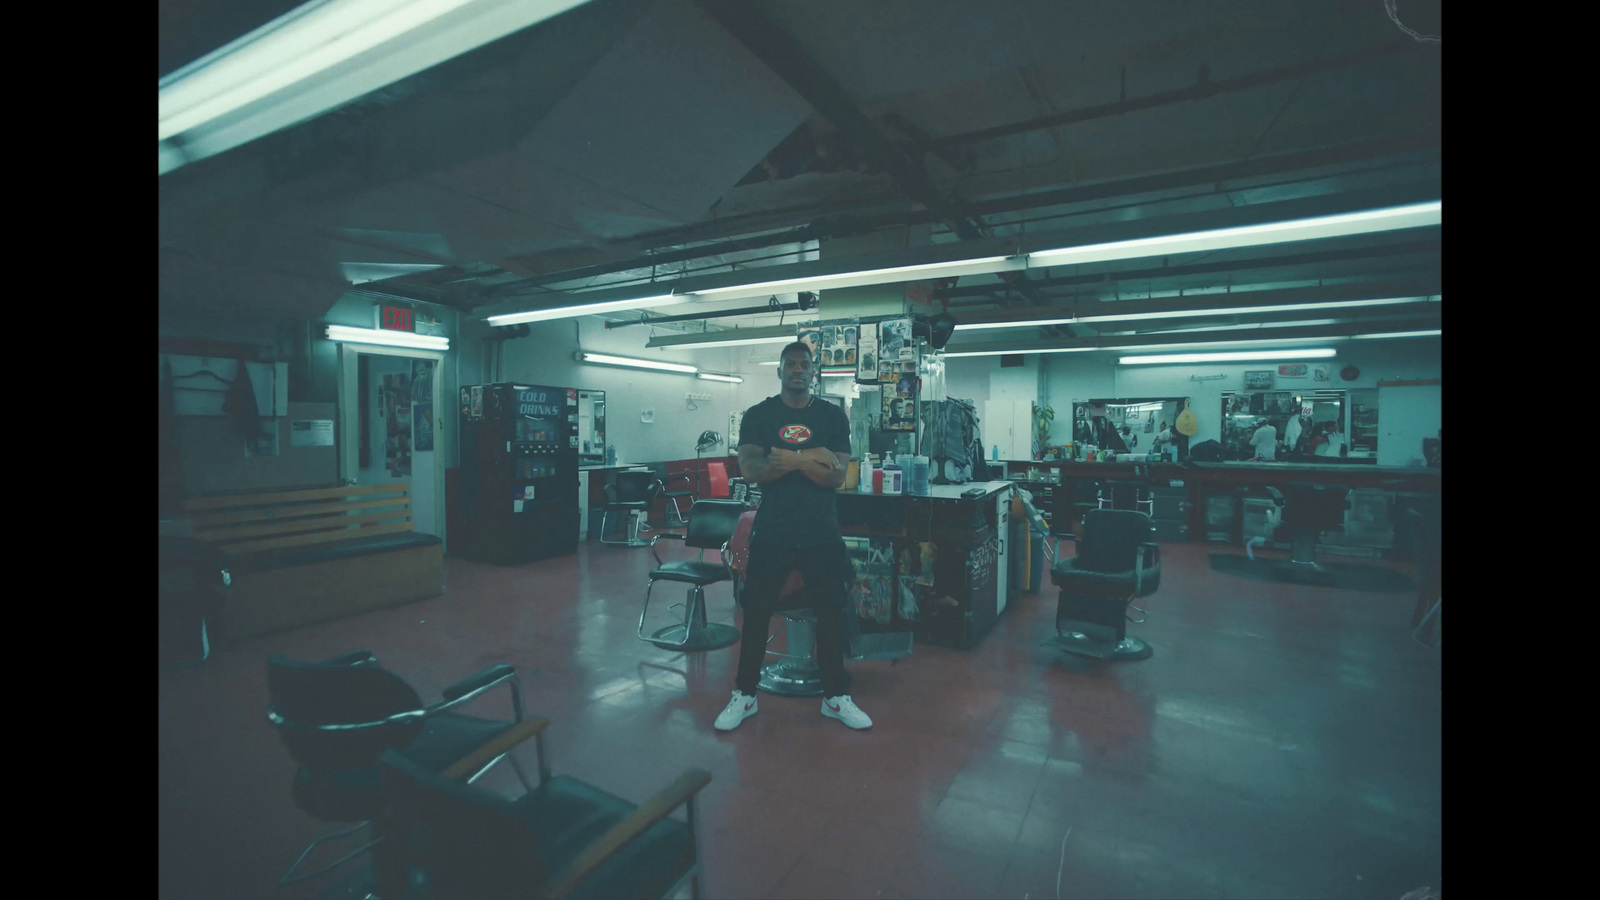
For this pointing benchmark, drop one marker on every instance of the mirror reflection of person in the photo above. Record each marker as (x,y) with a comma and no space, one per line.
(1330,442)
(1265,441)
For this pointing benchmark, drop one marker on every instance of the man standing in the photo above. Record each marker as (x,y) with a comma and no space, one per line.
(1265,441)
(797,448)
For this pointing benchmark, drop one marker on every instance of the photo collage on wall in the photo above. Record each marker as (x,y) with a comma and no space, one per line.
(838,347)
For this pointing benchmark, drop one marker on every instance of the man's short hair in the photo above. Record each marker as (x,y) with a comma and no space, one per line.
(797,346)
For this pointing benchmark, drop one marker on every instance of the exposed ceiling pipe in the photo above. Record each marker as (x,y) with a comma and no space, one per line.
(719,314)
(1202,89)
(842,225)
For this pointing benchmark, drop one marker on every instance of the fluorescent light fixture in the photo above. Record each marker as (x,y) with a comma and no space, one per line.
(351,335)
(568,312)
(319,57)
(1236,356)
(712,376)
(953,269)
(1186,313)
(361,273)
(604,359)
(735,341)
(1394,218)
(1031,350)
(1397,334)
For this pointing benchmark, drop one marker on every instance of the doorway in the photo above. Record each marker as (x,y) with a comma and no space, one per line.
(391,425)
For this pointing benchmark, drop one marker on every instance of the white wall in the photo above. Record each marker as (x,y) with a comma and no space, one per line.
(546,357)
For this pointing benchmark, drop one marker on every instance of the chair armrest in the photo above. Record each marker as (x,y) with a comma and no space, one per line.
(671,478)
(662,535)
(469,688)
(654,810)
(473,683)
(502,743)
(353,658)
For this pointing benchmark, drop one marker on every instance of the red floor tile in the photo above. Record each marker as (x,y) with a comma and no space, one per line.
(1281,741)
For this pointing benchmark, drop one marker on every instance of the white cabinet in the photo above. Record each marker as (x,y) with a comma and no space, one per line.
(1009,424)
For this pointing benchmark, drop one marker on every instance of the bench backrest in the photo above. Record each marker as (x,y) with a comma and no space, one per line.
(271,520)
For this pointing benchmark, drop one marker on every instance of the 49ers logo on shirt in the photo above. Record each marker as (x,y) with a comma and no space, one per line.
(795,434)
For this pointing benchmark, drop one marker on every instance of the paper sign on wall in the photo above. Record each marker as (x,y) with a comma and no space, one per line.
(311,432)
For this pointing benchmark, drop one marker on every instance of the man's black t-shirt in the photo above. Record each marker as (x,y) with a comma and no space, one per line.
(795,511)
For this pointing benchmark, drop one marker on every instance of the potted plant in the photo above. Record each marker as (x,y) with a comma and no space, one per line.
(1042,417)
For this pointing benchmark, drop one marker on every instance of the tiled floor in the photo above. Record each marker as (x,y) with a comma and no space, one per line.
(1282,742)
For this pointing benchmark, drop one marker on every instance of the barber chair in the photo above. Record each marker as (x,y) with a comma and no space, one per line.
(1309,510)
(1118,561)
(336,717)
(674,498)
(711,527)
(631,494)
(796,673)
(565,838)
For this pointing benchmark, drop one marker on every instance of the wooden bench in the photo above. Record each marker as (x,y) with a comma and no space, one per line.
(310,555)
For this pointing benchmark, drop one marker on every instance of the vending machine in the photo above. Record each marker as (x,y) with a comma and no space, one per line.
(519,473)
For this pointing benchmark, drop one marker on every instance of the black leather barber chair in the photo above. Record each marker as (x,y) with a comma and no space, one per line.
(630,496)
(711,527)
(1118,562)
(336,717)
(675,498)
(563,839)
(1308,511)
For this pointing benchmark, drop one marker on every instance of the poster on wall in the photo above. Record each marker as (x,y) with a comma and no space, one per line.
(395,402)
(839,347)
(422,404)
(867,354)
(1320,373)
(1294,370)
(477,401)
(894,340)
(1258,381)
(811,336)
(899,403)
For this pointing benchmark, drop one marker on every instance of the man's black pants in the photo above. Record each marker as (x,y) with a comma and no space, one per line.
(826,570)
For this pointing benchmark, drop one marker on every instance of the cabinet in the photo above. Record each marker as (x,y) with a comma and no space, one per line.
(1009,425)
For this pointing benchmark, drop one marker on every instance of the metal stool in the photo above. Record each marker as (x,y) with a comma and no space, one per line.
(795,674)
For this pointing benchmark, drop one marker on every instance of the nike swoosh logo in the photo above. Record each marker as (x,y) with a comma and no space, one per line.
(832,707)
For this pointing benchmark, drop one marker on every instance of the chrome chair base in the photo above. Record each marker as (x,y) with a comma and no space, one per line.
(632,540)
(694,633)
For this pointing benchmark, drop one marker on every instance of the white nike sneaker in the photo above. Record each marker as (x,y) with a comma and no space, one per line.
(741,707)
(845,710)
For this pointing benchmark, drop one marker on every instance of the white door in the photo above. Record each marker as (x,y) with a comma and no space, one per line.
(404,424)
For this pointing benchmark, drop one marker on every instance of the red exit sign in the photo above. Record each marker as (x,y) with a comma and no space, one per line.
(395,318)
